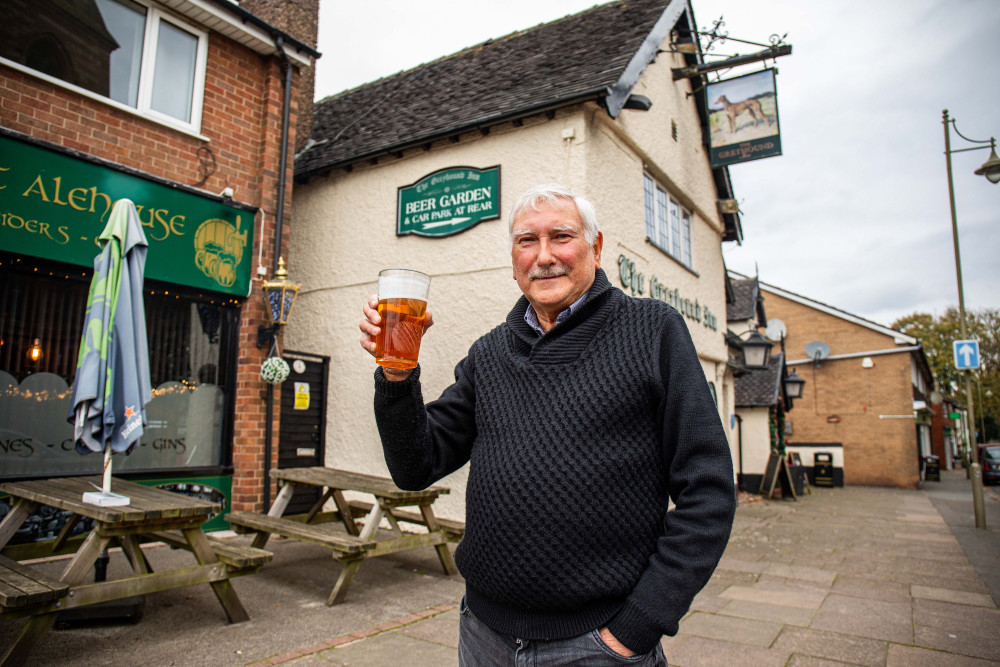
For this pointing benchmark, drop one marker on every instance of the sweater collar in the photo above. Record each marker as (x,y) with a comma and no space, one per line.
(569,332)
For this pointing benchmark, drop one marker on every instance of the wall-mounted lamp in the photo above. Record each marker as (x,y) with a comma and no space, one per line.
(35,351)
(279,297)
(793,385)
(867,363)
(756,351)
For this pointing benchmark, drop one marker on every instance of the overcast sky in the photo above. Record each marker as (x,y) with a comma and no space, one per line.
(855,212)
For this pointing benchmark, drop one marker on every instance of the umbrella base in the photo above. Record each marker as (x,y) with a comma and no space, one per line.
(127,610)
(103,499)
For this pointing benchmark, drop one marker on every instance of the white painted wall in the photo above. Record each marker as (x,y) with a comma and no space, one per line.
(343,234)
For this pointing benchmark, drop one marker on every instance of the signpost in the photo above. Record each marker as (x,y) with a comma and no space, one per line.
(966,354)
(448,201)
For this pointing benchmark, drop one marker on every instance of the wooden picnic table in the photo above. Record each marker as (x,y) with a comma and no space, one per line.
(352,543)
(153,514)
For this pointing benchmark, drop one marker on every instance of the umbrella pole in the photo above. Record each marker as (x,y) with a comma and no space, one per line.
(107,468)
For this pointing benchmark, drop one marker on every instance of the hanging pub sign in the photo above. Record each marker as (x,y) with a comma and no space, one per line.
(743,119)
(448,201)
(54,205)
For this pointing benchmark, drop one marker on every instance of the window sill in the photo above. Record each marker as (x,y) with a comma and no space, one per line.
(672,258)
(177,127)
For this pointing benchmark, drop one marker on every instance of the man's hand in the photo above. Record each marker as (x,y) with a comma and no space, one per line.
(614,644)
(369,329)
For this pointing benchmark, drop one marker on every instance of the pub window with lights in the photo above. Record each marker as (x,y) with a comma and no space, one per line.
(191,337)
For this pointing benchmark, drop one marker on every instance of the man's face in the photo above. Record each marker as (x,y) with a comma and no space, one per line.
(553,264)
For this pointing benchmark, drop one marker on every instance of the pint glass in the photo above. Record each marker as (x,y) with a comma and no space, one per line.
(402,302)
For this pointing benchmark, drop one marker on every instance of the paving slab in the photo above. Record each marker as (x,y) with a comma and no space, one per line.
(706,652)
(389,648)
(878,619)
(951,595)
(839,647)
(730,628)
(915,656)
(768,612)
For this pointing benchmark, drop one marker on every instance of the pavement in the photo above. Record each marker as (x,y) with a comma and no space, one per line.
(855,576)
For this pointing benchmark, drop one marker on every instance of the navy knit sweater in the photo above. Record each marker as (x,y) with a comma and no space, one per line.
(575,441)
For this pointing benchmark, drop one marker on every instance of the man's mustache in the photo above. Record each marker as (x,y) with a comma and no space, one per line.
(547,272)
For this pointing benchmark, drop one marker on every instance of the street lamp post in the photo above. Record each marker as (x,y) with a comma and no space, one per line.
(991,170)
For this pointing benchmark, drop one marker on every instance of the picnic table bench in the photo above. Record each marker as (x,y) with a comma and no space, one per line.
(151,514)
(340,531)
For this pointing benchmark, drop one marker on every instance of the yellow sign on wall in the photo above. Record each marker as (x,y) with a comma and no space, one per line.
(301,395)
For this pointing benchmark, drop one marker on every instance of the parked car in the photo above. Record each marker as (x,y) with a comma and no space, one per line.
(989,458)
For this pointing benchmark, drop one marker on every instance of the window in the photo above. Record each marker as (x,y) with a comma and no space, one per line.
(117,50)
(191,337)
(668,224)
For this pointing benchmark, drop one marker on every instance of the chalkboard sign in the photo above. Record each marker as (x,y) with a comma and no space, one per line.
(776,468)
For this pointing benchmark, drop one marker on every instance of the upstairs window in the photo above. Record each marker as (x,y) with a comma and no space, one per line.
(131,54)
(668,224)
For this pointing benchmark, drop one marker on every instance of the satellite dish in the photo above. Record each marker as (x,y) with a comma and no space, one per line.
(775,330)
(817,351)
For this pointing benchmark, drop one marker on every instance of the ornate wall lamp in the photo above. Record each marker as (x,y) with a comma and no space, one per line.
(756,350)
(279,297)
(793,385)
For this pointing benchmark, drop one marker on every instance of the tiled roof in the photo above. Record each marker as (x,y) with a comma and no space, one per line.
(759,387)
(573,59)
(744,304)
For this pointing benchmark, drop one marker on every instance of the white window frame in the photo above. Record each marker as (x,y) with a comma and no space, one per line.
(672,227)
(153,18)
(149,47)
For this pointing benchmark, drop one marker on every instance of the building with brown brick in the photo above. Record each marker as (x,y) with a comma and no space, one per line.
(190,109)
(866,396)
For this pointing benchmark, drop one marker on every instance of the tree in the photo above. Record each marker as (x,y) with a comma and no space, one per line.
(936,334)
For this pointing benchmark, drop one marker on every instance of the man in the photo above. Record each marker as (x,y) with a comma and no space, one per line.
(579,416)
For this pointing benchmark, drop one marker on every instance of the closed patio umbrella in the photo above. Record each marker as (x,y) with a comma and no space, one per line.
(112,384)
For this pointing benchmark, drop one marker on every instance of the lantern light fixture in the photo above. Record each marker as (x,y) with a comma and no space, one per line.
(793,385)
(756,350)
(279,297)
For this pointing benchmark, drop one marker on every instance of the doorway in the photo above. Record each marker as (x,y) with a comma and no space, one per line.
(302,433)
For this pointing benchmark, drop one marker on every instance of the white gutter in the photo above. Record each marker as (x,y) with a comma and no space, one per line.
(855,355)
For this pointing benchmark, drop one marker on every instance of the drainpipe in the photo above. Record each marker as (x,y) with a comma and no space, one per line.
(282,181)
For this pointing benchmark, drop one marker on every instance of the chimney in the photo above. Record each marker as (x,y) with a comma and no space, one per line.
(300,19)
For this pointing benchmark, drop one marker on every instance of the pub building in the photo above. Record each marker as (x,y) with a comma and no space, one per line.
(186,108)
(420,169)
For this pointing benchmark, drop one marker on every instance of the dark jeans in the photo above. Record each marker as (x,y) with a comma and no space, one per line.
(480,646)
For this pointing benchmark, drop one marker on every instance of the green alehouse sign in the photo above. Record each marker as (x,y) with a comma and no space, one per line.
(636,282)
(448,201)
(54,206)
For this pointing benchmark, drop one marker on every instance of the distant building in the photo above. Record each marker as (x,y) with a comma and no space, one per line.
(867,393)
(761,402)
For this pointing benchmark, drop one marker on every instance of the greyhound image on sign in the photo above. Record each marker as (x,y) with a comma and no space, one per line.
(743,118)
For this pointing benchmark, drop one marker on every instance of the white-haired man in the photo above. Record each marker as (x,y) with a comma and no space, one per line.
(580,416)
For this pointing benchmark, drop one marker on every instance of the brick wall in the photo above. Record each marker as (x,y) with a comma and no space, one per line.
(242,125)
(868,410)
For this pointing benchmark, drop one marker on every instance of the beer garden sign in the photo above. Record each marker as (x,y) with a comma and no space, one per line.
(448,201)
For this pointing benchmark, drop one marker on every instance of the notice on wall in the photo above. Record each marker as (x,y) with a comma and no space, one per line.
(301,396)
(448,201)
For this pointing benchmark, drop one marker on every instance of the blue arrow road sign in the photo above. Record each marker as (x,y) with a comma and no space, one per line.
(966,354)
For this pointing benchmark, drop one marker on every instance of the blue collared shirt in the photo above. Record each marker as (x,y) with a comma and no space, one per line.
(531,317)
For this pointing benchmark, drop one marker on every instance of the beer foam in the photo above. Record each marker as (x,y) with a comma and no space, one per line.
(403,284)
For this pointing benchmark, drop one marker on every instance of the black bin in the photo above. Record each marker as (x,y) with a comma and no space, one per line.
(823,469)
(932,468)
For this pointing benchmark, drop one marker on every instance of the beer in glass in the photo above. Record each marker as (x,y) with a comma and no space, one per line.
(402,302)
